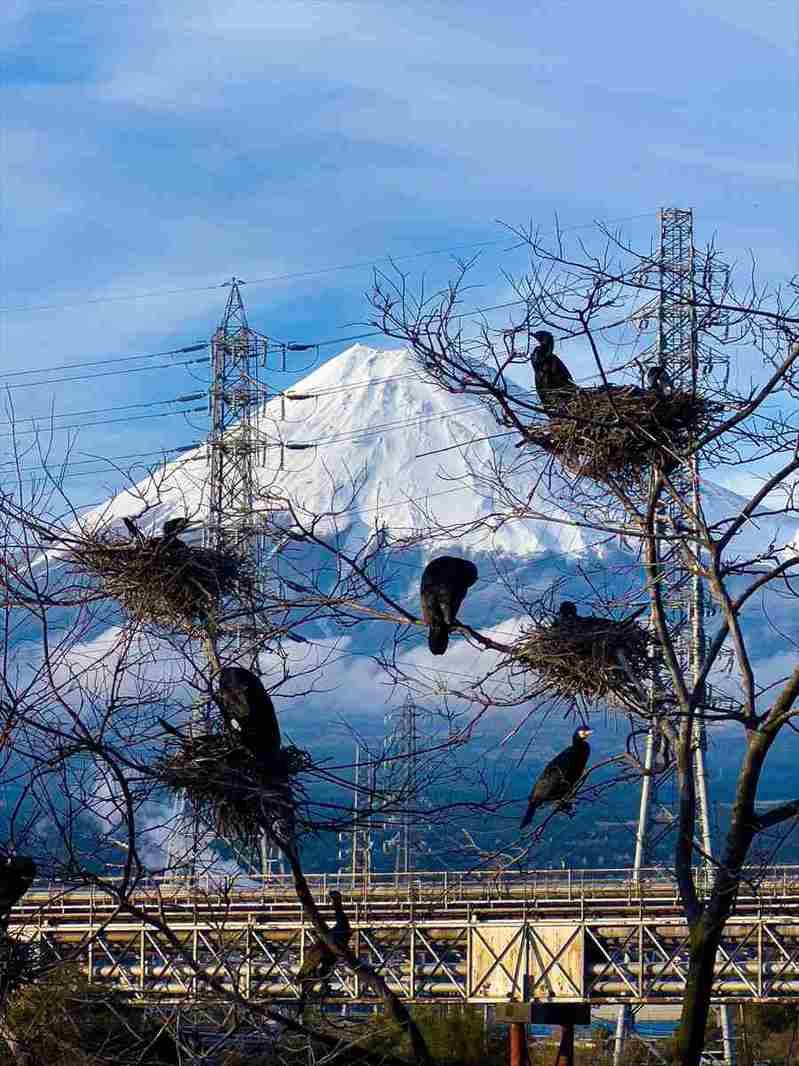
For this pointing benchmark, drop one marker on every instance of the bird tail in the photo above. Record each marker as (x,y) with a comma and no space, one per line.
(438,639)
(531,808)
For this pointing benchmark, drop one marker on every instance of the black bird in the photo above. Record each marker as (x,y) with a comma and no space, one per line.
(248,710)
(172,528)
(17,873)
(169,531)
(657,380)
(319,959)
(445,582)
(567,613)
(558,778)
(133,529)
(553,382)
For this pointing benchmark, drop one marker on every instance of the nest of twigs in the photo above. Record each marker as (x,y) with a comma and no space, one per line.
(614,433)
(232,790)
(159,580)
(591,658)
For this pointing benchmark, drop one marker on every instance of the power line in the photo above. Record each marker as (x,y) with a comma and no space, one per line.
(284,345)
(106,422)
(109,459)
(199,346)
(358,434)
(355,434)
(104,410)
(361,434)
(105,374)
(301,274)
(388,427)
(194,347)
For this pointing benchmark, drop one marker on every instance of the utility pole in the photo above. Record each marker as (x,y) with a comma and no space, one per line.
(679,352)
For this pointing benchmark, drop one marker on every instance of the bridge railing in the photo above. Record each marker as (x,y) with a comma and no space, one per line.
(445,886)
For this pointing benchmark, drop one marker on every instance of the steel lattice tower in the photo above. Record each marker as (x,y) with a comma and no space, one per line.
(359,853)
(402,784)
(236,396)
(679,352)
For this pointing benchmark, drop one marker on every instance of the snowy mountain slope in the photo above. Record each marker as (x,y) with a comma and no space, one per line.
(372,420)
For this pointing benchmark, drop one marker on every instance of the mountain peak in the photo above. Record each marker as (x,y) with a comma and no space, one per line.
(367,420)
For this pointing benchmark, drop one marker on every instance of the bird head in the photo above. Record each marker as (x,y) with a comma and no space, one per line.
(546,343)
(174,526)
(22,865)
(567,611)
(583,733)
(656,378)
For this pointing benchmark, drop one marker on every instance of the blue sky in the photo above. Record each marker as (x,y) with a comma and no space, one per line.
(149,148)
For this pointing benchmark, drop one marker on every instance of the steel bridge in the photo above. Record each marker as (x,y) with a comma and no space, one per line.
(596,936)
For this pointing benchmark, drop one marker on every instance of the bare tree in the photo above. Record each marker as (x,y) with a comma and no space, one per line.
(600,461)
(94,698)
(93,714)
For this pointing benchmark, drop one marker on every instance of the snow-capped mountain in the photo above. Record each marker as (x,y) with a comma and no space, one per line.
(368,418)
(372,421)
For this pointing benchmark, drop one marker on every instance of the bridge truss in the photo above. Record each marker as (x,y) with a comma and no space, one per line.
(602,937)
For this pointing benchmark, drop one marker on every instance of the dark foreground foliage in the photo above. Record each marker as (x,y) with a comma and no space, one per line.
(65,1021)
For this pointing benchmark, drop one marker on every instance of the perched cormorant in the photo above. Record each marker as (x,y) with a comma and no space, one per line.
(172,528)
(319,959)
(558,778)
(133,529)
(17,873)
(554,384)
(445,582)
(249,710)
(567,613)
(657,380)
(170,531)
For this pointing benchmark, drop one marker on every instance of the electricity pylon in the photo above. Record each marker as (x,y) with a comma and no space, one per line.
(236,397)
(681,354)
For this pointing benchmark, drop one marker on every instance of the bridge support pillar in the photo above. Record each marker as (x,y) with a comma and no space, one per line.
(728,1035)
(622,1024)
(517,1041)
(565,1056)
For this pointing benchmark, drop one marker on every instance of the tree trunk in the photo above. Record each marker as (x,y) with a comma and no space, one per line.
(690,1039)
(396,1007)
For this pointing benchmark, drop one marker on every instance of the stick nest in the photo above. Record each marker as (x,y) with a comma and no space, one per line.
(611,434)
(582,658)
(234,791)
(165,582)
